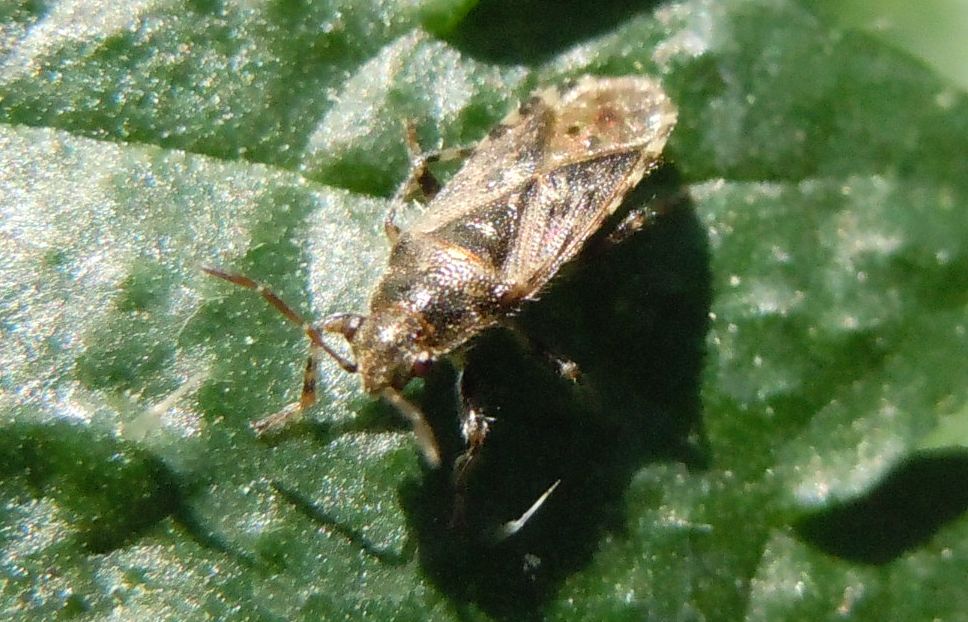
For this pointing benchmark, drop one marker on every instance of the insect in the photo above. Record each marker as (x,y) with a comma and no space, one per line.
(525,201)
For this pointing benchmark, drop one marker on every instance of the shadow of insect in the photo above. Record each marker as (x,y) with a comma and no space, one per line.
(635,318)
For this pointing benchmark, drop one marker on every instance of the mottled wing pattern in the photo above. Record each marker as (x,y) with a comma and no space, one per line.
(504,160)
(561,210)
(547,177)
(606,134)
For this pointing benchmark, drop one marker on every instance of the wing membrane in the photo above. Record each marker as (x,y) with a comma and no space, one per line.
(563,208)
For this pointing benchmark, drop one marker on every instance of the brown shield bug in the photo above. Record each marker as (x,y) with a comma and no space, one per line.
(525,201)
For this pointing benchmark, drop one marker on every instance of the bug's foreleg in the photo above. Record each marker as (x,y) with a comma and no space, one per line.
(343,323)
(474,427)
(293,411)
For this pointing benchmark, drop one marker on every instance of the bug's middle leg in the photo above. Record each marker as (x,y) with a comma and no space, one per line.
(475,426)
(562,365)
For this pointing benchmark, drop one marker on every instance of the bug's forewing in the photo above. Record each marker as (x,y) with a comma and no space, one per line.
(606,133)
(501,163)
(544,180)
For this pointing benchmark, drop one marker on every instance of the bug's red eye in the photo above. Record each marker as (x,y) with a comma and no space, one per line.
(421,366)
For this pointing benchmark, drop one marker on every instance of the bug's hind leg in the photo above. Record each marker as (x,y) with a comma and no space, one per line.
(421,180)
(634,221)
(642,217)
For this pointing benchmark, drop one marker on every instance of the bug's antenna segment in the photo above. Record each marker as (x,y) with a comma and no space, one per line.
(280,305)
(422,430)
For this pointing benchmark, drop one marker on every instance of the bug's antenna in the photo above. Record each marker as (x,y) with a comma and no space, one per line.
(280,305)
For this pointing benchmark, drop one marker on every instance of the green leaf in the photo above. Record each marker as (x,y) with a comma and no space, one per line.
(772,422)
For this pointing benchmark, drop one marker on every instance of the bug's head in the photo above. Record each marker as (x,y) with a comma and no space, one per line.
(389,348)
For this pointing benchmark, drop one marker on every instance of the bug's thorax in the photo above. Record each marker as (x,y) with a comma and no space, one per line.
(388,346)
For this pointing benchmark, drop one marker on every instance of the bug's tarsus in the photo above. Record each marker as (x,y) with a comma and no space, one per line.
(278,420)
